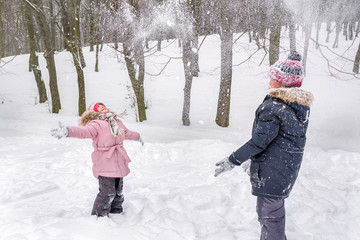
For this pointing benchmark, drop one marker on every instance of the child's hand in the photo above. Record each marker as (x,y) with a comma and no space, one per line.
(59,132)
(224,165)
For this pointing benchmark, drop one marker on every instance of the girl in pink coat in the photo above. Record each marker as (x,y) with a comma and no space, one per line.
(110,160)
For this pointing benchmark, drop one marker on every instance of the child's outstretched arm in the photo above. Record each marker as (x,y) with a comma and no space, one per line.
(60,132)
(132,135)
(87,131)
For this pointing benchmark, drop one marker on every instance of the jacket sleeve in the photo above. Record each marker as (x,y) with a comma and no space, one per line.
(264,131)
(129,135)
(87,131)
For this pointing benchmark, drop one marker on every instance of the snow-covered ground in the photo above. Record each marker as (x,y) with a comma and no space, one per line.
(47,187)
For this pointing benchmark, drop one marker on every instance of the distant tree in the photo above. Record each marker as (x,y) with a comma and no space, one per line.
(357,60)
(226,35)
(133,49)
(2,31)
(307,30)
(196,23)
(73,43)
(187,36)
(34,60)
(43,24)
(275,31)
(52,23)
(292,31)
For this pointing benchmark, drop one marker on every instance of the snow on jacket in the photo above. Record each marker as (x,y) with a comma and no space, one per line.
(109,157)
(277,144)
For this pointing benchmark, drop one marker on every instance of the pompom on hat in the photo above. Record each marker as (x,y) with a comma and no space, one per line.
(288,72)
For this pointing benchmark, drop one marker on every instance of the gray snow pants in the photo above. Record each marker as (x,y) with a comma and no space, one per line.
(271,215)
(110,198)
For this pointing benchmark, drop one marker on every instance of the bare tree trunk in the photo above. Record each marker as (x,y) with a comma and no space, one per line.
(195,69)
(223,107)
(78,34)
(338,30)
(135,63)
(307,29)
(187,62)
(135,59)
(357,61)
(66,28)
(292,37)
(159,45)
(52,25)
(292,32)
(97,58)
(74,46)
(318,27)
(328,29)
(345,29)
(351,29)
(2,32)
(92,25)
(116,41)
(275,31)
(34,60)
(44,28)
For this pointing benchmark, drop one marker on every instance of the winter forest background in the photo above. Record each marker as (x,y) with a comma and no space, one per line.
(190,74)
(50,26)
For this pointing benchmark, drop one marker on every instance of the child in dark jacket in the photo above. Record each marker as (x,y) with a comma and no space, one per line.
(277,145)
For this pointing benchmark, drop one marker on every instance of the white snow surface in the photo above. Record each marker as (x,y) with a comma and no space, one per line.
(47,186)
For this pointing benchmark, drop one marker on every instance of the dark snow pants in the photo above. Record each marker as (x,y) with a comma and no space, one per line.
(110,198)
(271,215)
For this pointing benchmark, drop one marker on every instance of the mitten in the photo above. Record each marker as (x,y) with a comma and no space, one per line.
(59,132)
(141,141)
(224,166)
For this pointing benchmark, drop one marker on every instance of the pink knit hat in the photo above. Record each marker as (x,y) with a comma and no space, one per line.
(93,107)
(288,72)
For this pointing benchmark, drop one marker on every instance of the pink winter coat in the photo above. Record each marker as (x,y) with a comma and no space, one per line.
(109,157)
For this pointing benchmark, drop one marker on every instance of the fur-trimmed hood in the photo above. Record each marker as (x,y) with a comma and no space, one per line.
(88,116)
(298,100)
(92,115)
(293,95)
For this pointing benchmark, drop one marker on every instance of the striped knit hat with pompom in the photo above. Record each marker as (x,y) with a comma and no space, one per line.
(288,72)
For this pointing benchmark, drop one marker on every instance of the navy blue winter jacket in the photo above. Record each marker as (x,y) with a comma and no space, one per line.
(277,144)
